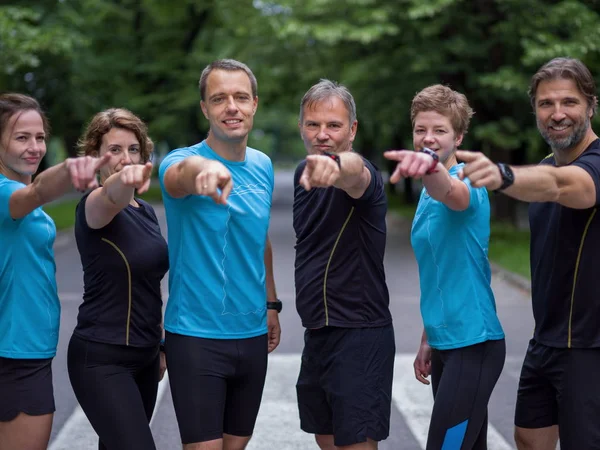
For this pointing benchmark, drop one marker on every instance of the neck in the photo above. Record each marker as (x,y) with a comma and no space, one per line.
(12,175)
(231,151)
(564,157)
(451,161)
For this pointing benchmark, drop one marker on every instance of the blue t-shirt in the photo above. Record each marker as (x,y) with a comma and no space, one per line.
(217,277)
(451,247)
(29,305)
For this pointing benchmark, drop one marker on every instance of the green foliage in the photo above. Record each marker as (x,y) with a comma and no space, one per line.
(62,212)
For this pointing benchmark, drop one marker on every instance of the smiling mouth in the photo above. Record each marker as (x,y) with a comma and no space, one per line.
(232,121)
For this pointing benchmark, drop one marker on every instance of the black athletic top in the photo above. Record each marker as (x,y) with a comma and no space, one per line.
(123,264)
(565,244)
(340,244)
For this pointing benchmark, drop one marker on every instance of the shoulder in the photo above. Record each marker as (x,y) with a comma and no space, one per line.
(177,155)
(257,156)
(8,185)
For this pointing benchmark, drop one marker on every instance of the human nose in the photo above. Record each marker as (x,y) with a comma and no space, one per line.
(558,114)
(231,105)
(322,135)
(126,159)
(429,138)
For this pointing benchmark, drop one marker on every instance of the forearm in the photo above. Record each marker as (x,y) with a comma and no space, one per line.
(446,189)
(117,193)
(51,184)
(570,186)
(352,167)
(270,278)
(184,180)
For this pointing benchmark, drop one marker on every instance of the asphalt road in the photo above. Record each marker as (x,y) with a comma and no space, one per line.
(277,426)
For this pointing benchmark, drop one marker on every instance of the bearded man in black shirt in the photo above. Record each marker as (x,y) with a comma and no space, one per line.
(557,385)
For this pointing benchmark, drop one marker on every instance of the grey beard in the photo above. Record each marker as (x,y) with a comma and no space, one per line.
(570,141)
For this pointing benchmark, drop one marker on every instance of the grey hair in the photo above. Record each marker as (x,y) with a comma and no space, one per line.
(229,65)
(325,89)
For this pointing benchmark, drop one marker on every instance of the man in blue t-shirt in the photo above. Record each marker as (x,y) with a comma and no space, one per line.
(345,382)
(556,389)
(222,314)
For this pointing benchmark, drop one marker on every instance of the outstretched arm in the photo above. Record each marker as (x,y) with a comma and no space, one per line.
(104,203)
(570,186)
(54,182)
(351,175)
(436,179)
(196,175)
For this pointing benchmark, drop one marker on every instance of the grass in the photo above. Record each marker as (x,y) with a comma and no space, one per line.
(509,246)
(63,212)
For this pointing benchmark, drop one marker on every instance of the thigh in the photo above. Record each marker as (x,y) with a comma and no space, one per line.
(25,387)
(245,389)
(358,380)
(103,379)
(147,379)
(25,432)
(579,399)
(537,405)
(460,407)
(198,373)
(313,405)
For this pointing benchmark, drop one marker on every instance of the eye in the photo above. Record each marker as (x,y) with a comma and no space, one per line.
(21,138)
(134,150)
(335,125)
(243,98)
(217,100)
(543,103)
(41,138)
(440,131)
(419,131)
(115,150)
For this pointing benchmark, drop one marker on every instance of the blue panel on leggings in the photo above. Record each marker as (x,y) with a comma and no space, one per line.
(454,436)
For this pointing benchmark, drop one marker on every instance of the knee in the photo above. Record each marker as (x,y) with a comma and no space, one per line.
(325,442)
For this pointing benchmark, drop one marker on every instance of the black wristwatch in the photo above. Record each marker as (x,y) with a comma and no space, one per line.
(276,305)
(435,157)
(508,177)
(335,157)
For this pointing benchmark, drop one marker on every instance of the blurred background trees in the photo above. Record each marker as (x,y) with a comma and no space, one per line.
(79,57)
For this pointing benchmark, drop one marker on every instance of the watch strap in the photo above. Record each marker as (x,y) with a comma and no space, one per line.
(436,159)
(335,157)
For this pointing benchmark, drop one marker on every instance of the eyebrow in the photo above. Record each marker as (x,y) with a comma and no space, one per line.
(219,94)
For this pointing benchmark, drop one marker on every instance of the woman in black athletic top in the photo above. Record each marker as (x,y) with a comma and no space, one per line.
(114,359)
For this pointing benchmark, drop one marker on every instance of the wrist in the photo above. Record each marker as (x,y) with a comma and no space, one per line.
(335,157)
(275,305)
(435,160)
(506,175)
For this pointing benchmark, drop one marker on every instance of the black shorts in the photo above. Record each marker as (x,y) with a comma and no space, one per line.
(216,384)
(345,383)
(558,386)
(25,387)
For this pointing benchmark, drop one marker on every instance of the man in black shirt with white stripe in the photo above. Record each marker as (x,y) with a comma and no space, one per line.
(557,385)
(344,387)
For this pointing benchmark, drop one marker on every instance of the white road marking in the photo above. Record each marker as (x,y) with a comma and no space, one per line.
(415,402)
(78,433)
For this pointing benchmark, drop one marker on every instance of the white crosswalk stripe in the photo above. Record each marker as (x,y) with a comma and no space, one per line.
(278,425)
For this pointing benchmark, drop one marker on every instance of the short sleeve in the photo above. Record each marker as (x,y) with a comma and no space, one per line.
(590,162)
(375,190)
(172,158)
(7,187)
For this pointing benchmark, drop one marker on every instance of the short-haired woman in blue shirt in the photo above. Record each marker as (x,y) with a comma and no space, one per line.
(29,305)
(463,344)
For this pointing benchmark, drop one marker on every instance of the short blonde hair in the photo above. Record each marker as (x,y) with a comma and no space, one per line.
(103,122)
(446,102)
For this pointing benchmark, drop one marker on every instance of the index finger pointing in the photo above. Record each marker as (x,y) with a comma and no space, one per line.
(467,156)
(395,155)
(101,161)
(226,190)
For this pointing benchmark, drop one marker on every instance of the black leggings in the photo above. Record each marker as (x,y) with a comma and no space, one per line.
(463,380)
(116,387)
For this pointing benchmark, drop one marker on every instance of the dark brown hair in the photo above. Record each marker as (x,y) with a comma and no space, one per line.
(103,122)
(566,68)
(11,104)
